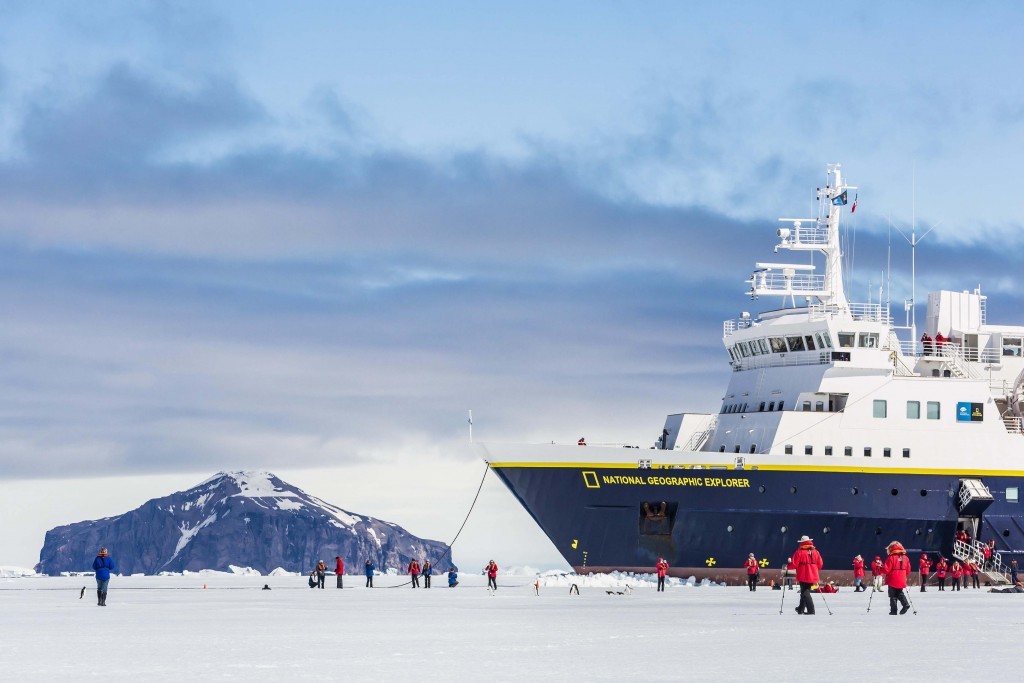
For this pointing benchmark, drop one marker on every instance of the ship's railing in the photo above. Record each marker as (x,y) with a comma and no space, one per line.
(948,350)
(729,327)
(701,435)
(858,311)
(1014,424)
(812,234)
(781,283)
(776,360)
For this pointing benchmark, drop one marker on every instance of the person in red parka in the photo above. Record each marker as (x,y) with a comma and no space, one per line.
(974,571)
(940,572)
(858,574)
(924,565)
(956,571)
(414,572)
(897,569)
(808,561)
(829,587)
(753,569)
(492,575)
(339,570)
(877,574)
(661,568)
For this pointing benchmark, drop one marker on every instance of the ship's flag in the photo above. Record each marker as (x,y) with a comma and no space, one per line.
(854,206)
(840,200)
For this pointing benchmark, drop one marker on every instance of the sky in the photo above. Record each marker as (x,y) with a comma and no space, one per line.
(309,237)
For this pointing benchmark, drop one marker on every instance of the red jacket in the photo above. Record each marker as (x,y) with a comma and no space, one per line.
(897,567)
(924,565)
(970,569)
(339,566)
(808,562)
(958,570)
(877,568)
(492,570)
(858,569)
(414,568)
(827,588)
(752,566)
(940,569)
(661,567)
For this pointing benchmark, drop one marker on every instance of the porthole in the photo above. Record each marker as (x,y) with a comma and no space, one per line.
(761,489)
(855,490)
(1006,532)
(784,529)
(895,492)
(878,531)
(729,528)
(917,532)
(826,530)
(924,492)
(792,489)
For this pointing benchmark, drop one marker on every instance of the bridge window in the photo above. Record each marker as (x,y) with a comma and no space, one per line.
(913,410)
(771,406)
(828,450)
(737,449)
(795,343)
(753,448)
(807,406)
(1012,346)
(809,341)
(824,340)
(789,449)
(867,451)
(819,407)
(933,408)
(906,452)
(880,408)
(1011,494)
(744,349)
(848,450)
(808,450)
(781,404)
(846,340)
(763,345)
(869,340)
(778,344)
(760,408)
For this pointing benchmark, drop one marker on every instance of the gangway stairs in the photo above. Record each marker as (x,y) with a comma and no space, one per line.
(974,552)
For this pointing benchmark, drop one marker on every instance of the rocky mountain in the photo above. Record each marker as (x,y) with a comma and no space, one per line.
(247,519)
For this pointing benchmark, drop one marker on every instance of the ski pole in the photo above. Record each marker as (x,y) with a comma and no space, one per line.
(826,603)
(783,599)
(907,593)
(871,597)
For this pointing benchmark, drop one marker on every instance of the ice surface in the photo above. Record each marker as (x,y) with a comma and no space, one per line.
(170,629)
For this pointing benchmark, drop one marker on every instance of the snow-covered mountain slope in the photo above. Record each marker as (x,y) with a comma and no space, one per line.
(236,518)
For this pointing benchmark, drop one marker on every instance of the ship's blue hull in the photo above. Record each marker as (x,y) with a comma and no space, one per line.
(712,519)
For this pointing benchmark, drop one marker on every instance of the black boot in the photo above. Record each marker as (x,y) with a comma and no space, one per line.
(103,599)
(99,597)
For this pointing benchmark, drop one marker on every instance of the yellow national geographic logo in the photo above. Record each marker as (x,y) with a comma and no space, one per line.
(590,480)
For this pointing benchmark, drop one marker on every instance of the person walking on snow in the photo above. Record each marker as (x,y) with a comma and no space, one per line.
(102,565)
(369,573)
(661,568)
(940,572)
(752,571)
(321,573)
(492,575)
(426,572)
(956,571)
(877,574)
(339,571)
(858,574)
(453,578)
(924,565)
(414,572)
(808,562)
(897,569)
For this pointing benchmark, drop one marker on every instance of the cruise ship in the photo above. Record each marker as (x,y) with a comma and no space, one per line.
(837,424)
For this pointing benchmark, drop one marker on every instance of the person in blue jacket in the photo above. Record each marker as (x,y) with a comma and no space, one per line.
(369,574)
(453,578)
(426,573)
(102,565)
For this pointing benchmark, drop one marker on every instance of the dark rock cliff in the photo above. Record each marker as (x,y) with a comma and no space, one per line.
(245,519)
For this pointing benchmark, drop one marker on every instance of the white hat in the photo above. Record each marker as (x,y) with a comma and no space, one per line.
(805,538)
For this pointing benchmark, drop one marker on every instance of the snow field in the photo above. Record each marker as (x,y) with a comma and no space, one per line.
(168,628)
